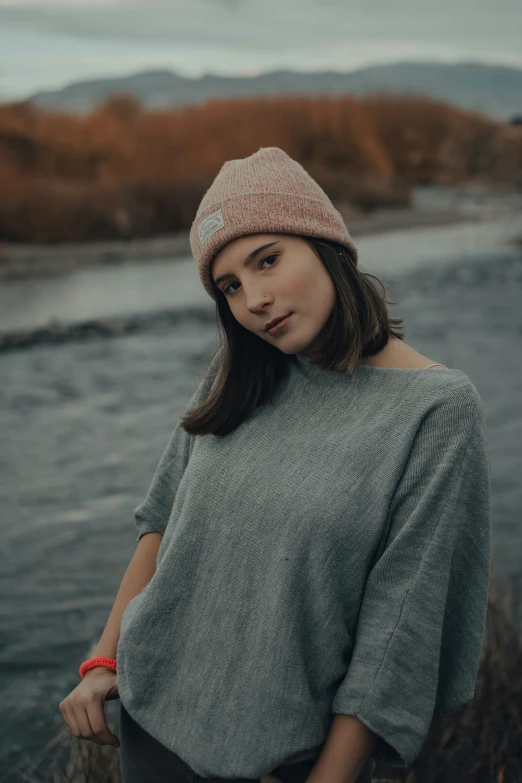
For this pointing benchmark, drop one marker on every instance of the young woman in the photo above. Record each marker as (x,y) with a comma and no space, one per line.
(310,583)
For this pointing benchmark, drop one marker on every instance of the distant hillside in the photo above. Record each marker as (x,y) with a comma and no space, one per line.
(490,89)
(125,173)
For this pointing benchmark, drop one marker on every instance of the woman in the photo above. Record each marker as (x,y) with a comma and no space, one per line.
(310,584)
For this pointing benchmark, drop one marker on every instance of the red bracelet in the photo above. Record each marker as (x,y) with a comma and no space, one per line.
(91,663)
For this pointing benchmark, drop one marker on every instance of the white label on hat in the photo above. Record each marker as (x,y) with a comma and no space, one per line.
(210,225)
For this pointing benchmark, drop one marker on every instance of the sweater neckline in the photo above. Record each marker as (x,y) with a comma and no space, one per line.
(370,368)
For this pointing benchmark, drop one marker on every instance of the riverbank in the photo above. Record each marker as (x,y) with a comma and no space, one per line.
(87,419)
(24,261)
(74,293)
(458,741)
(125,172)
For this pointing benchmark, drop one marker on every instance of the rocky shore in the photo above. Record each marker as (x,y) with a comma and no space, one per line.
(58,331)
(33,262)
(19,262)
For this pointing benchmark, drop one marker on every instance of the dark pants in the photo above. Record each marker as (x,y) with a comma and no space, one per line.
(145,760)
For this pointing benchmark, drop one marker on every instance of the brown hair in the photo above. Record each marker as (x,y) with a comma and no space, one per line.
(250,368)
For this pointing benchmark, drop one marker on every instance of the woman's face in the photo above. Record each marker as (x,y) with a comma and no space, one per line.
(287,277)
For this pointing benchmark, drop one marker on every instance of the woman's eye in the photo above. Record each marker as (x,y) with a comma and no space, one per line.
(226,289)
(272,255)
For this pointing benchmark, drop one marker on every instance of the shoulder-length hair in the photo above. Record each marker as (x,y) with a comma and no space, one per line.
(250,368)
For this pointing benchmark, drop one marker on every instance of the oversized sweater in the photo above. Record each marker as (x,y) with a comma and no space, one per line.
(330,555)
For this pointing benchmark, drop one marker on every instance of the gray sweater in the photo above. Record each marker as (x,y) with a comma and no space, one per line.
(330,555)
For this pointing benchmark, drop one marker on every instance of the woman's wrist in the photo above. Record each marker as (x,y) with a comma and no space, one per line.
(104,661)
(98,670)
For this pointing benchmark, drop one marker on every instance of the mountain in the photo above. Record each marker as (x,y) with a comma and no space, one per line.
(490,89)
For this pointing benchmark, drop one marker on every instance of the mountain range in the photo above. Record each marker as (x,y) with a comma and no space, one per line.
(494,90)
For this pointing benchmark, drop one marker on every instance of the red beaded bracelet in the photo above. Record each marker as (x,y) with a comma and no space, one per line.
(91,663)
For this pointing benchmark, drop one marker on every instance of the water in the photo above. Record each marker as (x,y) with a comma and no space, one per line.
(99,291)
(84,424)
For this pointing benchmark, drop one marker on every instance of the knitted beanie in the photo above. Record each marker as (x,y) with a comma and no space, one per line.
(267,192)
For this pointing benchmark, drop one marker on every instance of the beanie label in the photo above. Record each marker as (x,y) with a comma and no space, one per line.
(210,225)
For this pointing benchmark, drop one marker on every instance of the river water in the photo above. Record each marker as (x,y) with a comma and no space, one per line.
(84,424)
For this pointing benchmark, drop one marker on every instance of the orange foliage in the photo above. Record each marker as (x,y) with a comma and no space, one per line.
(432,142)
(123,171)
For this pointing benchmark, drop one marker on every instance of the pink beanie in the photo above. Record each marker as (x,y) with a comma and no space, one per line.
(266,193)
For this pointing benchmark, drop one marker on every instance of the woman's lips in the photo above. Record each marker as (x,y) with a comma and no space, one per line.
(280,324)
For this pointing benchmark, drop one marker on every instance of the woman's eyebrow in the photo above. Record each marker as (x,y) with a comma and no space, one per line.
(251,256)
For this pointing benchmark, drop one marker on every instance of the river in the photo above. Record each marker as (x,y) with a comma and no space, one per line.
(84,424)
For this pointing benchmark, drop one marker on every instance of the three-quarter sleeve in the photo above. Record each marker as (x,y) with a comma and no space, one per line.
(421,622)
(152,515)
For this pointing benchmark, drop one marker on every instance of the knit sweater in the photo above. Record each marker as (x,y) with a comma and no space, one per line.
(330,555)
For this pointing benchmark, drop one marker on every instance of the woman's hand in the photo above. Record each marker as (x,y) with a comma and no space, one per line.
(83,711)
(270,779)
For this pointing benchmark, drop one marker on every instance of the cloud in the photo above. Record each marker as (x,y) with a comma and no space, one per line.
(289,25)
(47,43)
(201,20)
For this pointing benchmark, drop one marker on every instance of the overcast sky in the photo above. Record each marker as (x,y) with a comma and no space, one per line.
(45,45)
